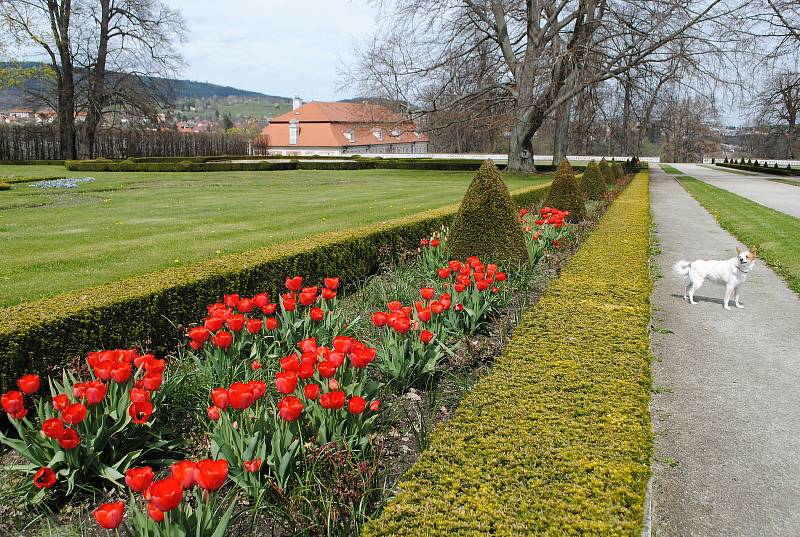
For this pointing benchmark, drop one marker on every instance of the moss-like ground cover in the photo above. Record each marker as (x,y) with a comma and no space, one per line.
(774,233)
(556,440)
(125,224)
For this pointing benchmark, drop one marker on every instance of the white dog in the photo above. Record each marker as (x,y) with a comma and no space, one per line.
(731,273)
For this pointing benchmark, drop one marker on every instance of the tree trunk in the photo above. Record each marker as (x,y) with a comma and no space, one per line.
(626,115)
(561,133)
(96,91)
(520,153)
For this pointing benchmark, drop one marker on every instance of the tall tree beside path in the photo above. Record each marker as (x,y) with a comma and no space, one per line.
(529,57)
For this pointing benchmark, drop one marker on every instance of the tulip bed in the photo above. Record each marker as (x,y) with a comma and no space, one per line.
(556,440)
(295,388)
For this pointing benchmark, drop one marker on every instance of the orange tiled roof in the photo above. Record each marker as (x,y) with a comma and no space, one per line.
(326,124)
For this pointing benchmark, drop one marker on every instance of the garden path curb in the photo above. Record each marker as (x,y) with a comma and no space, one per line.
(724,408)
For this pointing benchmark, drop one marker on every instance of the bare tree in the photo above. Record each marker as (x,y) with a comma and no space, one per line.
(537,55)
(777,107)
(686,123)
(104,54)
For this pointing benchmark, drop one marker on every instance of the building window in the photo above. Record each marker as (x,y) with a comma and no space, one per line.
(294,129)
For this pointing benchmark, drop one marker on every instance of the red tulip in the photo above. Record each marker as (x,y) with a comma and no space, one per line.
(12,402)
(326,369)
(402,325)
(139,395)
(443,273)
(317,314)
(501,276)
(154,512)
(426,337)
(213,413)
(362,357)
(294,284)
(222,339)
(213,324)
(121,372)
(290,363)
(289,304)
(435,243)
(60,401)
(185,472)
(424,315)
(74,413)
(271,323)
(343,344)
(140,412)
(379,318)
(211,475)
(258,387)
(245,305)
(394,305)
(94,392)
(255,365)
(138,479)
(290,408)
(286,381)
(306,370)
(332,283)
(69,439)
(254,326)
(103,369)
(261,300)
(235,322)
(252,466)
(336,358)
(327,294)
(152,381)
(240,395)
(375,405)
(308,345)
(332,400)
(428,292)
(166,494)
(200,334)
(220,397)
(437,307)
(311,391)
(29,383)
(356,405)
(306,299)
(44,478)
(333,384)
(53,428)
(109,515)
(231,300)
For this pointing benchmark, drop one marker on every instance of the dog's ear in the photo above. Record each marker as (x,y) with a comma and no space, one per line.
(738,250)
(754,251)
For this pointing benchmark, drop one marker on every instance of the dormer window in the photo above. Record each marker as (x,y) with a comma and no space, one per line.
(378,133)
(396,133)
(294,131)
(350,135)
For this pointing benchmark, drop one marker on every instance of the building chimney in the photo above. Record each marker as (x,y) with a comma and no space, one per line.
(296,102)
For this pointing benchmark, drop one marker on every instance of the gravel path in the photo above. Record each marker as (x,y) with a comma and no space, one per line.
(779,196)
(726,401)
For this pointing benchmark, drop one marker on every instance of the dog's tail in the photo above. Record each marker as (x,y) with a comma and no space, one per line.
(681,267)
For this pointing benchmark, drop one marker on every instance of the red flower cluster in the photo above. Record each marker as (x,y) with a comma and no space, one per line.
(548,216)
(402,319)
(305,375)
(485,277)
(238,396)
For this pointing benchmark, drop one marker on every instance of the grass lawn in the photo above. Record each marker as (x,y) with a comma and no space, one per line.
(773,232)
(125,224)
(727,170)
(793,182)
(669,169)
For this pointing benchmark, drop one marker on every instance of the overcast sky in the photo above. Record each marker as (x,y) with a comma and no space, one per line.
(278,47)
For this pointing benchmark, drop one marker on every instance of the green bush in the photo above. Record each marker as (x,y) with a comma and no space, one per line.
(565,194)
(34,179)
(32,162)
(605,171)
(616,168)
(487,222)
(556,439)
(5,186)
(592,184)
(43,335)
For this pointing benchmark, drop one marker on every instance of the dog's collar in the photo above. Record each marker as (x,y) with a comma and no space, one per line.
(740,270)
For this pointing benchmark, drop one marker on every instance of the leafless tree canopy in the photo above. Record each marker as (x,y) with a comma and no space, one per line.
(103,53)
(525,60)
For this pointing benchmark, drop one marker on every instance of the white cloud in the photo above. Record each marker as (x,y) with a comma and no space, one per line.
(279,47)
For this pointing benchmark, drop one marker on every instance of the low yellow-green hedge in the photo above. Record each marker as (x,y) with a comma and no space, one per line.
(37,336)
(556,440)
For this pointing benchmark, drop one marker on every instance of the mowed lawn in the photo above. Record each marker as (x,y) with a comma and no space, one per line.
(776,234)
(124,224)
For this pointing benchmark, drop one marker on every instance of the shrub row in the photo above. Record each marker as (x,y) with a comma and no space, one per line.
(42,335)
(34,179)
(207,165)
(761,169)
(556,440)
(32,162)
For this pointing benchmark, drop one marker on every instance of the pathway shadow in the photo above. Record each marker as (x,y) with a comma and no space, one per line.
(700,298)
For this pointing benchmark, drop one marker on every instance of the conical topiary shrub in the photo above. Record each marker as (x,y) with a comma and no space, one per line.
(618,173)
(565,194)
(593,186)
(605,171)
(487,224)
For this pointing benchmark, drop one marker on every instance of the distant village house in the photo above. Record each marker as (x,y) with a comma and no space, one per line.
(321,128)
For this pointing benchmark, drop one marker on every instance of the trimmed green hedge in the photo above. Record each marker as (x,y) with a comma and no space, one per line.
(45,334)
(32,162)
(17,180)
(556,440)
(5,186)
(760,169)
